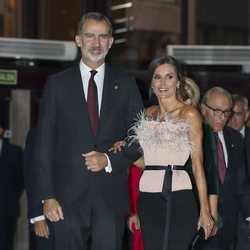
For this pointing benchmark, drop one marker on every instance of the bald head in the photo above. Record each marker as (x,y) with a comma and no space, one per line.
(216,108)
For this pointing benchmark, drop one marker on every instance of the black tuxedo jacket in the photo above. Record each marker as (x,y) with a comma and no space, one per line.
(11,179)
(35,207)
(247,149)
(64,133)
(234,192)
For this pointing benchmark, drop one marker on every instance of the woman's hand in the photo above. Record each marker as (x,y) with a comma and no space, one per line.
(213,204)
(117,146)
(133,222)
(206,221)
(215,226)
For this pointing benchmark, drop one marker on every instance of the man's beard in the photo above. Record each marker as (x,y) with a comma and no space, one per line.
(94,58)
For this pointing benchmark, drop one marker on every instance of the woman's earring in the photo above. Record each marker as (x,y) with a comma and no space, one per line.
(178,89)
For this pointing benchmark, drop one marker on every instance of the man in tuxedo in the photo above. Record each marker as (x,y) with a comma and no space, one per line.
(234,192)
(237,122)
(39,225)
(86,109)
(11,186)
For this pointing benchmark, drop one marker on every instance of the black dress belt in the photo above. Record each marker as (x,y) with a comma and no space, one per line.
(174,167)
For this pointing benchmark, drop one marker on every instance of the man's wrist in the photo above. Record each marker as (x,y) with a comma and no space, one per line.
(108,168)
(38,218)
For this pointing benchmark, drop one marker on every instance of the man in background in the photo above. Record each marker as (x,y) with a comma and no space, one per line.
(11,187)
(234,189)
(238,122)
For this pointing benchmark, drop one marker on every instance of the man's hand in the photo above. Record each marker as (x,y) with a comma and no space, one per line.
(95,161)
(41,229)
(52,210)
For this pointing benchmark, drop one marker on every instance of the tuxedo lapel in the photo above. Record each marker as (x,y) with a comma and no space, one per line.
(229,147)
(78,101)
(110,90)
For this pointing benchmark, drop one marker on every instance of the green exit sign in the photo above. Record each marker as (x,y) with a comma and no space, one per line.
(8,76)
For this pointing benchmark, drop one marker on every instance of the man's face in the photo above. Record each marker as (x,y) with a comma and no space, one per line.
(217,111)
(95,42)
(240,116)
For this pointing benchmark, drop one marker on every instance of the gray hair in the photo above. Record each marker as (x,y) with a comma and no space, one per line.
(242,99)
(96,16)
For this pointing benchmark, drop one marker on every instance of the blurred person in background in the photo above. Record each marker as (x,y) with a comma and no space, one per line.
(11,187)
(238,122)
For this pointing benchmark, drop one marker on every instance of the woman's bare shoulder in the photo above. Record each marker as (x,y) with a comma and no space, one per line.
(190,114)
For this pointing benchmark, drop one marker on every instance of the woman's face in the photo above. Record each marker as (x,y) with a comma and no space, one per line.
(164,81)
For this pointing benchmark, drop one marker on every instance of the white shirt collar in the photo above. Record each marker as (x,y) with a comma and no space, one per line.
(242,131)
(222,139)
(85,70)
(99,80)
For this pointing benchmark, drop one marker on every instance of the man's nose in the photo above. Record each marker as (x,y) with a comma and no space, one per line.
(223,117)
(96,40)
(233,118)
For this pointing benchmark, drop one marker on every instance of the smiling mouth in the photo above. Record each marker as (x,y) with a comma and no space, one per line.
(163,90)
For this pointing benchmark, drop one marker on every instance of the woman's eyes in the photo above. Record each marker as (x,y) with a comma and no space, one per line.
(167,77)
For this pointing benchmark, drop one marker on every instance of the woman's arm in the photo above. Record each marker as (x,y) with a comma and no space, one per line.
(213,205)
(140,163)
(192,116)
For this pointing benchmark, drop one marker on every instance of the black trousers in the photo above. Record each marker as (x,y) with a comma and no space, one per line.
(242,240)
(94,227)
(183,220)
(8,226)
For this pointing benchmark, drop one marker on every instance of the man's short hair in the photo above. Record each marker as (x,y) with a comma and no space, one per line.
(240,98)
(95,16)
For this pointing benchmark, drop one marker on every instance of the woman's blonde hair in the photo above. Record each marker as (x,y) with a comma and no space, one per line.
(192,90)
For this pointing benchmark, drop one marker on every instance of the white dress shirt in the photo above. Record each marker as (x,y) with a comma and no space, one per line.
(99,79)
(242,131)
(221,136)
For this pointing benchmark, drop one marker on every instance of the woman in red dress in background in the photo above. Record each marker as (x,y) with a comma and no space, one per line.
(133,221)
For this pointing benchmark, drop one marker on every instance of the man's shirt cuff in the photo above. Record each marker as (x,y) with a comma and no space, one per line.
(38,218)
(108,169)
